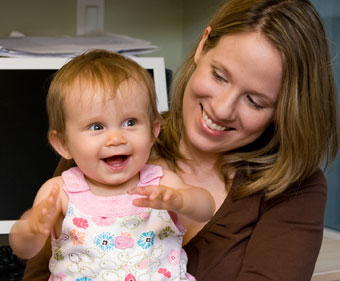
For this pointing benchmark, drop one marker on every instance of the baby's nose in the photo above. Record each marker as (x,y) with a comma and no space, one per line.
(115,139)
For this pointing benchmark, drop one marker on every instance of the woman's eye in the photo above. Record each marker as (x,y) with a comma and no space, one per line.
(218,77)
(96,127)
(129,123)
(254,104)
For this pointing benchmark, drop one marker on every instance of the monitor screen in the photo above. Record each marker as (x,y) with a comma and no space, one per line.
(27,160)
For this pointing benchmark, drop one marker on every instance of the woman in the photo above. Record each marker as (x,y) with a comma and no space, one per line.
(253,117)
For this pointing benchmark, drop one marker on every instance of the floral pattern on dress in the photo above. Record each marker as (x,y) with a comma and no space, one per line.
(58,277)
(173,257)
(103,221)
(165,272)
(80,222)
(165,233)
(77,237)
(146,239)
(69,211)
(130,277)
(84,279)
(104,241)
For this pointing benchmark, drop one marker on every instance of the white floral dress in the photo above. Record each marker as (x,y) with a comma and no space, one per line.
(107,238)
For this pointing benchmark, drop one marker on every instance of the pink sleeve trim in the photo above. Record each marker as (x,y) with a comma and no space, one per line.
(150,175)
(74,180)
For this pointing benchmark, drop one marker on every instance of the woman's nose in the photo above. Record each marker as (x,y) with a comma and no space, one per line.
(115,139)
(224,105)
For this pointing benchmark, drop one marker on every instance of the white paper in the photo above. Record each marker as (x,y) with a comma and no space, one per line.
(69,46)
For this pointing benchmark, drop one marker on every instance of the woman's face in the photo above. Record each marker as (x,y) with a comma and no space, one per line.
(231,97)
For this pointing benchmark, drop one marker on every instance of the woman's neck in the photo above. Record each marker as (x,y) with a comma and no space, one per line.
(201,170)
(198,161)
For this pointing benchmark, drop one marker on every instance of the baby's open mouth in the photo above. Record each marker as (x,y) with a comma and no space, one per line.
(116,160)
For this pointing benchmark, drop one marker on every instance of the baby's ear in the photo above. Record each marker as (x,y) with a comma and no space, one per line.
(156,128)
(58,143)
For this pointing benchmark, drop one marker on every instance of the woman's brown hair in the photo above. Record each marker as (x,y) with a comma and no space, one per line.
(304,134)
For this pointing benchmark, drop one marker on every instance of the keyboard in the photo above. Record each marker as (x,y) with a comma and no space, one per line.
(11,267)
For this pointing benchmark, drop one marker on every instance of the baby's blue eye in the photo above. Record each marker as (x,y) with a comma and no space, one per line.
(96,127)
(129,122)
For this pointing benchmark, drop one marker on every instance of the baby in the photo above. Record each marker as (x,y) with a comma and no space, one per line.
(115,217)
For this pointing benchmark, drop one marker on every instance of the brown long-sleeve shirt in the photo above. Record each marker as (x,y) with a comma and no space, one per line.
(250,239)
(256,240)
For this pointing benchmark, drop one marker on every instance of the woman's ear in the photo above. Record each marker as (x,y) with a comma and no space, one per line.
(200,46)
(156,129)
(58,143)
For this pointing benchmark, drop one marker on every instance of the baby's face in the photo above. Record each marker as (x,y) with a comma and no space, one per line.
(109,138)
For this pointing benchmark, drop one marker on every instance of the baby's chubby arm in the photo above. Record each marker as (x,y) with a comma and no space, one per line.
(193,202)
(31,231)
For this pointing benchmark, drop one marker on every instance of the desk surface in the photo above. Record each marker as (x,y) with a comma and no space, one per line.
(327,267)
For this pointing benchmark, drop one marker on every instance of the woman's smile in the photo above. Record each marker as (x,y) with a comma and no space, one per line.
(209,123)
(214,128)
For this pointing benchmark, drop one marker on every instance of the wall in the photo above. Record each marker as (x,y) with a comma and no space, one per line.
(157,21)
(196,19)
(38,17)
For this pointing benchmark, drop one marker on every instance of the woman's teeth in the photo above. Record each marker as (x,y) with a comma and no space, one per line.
(210,124)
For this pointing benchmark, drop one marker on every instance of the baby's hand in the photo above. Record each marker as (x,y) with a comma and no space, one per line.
(158,197)
(43,216)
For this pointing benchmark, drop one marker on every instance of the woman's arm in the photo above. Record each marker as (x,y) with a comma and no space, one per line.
(286,240)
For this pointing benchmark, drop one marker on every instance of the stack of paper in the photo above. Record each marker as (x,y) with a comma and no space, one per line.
(69,46)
